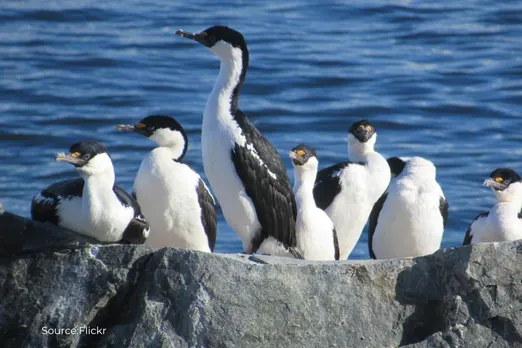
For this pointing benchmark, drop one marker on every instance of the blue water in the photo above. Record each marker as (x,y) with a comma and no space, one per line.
(440,79)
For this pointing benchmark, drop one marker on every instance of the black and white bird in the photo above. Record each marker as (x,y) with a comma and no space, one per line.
(91,205)
(504,221)
(348,190)
(315,232)
(173,197)
(244,170)
(409,218)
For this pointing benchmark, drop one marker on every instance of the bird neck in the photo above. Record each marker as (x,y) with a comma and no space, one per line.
(359,151)
(304,187)
(232,74)
(98,189)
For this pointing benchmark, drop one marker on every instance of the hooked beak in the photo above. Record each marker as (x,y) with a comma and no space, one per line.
(494,185)
(70,158)
(198,37)
(296,159)
(125,128)
(138,128)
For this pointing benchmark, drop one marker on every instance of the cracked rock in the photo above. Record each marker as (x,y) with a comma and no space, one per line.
(141,297)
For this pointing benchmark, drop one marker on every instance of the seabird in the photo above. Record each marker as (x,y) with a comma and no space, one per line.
(504,221)
(315,232)
(244,170)
(91,205)
(173,197)
(348,190)
(409,219)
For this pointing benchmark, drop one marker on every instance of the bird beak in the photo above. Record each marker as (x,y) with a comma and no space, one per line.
(493,184)
(125,128)
(199,37)
(72,158)
(296,159)
(364,135)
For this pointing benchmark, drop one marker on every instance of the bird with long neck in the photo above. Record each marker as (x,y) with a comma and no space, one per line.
(245,171)
(315,232)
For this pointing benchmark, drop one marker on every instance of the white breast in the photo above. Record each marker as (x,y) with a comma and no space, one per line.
(98,214)
(166,192)
(361,188)
(502,224)
(410,223)
(314,234)
(219,135)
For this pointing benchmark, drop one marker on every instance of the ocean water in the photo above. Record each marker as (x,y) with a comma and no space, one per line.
(442,80)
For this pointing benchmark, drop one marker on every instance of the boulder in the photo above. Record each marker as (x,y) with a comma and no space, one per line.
(52,280)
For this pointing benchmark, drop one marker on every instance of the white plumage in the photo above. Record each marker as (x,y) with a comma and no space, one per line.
(91,205)
(98,213)
(168,191)
(348,191)
(504,221)
(314,230)
(408,220)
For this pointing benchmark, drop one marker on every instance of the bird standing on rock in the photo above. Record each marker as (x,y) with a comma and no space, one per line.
(91,205)
(315,232)
(245,171)
(173,197)
(409,219)
(504,221)
(348,190)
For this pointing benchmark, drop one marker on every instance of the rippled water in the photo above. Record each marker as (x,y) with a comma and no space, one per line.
(440,80)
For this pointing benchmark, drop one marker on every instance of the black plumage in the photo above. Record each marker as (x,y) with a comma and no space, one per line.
(45,210)
(336,245)
(372,222)
(468,237)
(208,214)
(273,198)
(444,206)
(327,184)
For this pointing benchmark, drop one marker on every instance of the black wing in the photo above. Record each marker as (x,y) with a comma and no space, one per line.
(373,220)
(443,205)
(327,184)
(208,213)
(137,230)
(336,245)
(273,198)
(44,209)
(468,237)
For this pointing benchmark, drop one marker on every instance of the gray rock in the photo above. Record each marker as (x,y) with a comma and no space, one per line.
(463,297)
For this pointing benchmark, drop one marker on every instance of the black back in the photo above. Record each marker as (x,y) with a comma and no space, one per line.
(273,198)
(208,214)
(327,184)
(373,220)
(468,237)
(336,245)
(396,165)
(444,206)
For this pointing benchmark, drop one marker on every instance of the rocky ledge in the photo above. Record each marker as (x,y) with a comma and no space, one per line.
(58,291)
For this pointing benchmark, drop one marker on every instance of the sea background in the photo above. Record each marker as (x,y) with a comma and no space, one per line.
(442,80)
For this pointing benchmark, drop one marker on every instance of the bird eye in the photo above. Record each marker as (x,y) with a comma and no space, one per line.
(86,156)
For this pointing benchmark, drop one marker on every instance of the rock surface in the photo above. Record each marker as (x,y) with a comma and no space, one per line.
(463,297)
